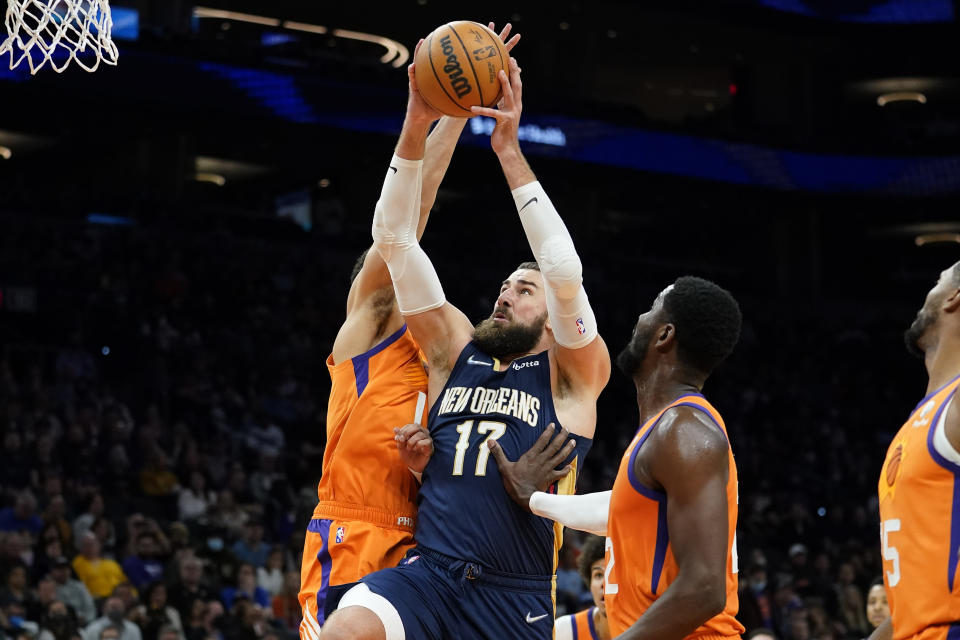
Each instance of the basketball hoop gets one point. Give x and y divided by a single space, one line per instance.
58 32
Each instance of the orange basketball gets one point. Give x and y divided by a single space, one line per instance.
457 65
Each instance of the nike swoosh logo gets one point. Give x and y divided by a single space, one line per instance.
530 201
395 170
470 360
532 620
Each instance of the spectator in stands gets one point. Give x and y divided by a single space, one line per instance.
853 610
144 567
110 632
58 623
22 516
246 587
156 478
84 522
114 615
270 577
54 516
15 586
189 587
99 574
878 610
73 592
195 500
168 632
251 548
46 593
286 604
228 515
156 614
756 598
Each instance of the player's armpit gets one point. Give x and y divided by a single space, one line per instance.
442 333
690 463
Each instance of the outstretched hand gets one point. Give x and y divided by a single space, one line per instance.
418 110
506 131
536 469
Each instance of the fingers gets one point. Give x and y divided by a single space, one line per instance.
490 113
416 49
511 43
557 442
506 89
564 453
402 434
557 476
497 453
412 67
543 441
515 82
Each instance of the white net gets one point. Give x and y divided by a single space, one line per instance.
59 32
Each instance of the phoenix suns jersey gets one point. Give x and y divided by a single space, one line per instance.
919 495
639 559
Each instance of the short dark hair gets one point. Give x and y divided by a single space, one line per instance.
531 264
593 549
358 265
707 320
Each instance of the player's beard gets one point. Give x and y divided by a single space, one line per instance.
918 328
499 340
631 358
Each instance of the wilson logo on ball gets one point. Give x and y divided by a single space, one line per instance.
452 68
456 67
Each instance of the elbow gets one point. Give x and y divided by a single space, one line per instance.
714 597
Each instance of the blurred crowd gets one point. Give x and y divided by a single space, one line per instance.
162 420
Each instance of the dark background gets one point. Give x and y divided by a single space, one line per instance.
741 142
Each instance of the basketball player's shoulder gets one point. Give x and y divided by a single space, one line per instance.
689 430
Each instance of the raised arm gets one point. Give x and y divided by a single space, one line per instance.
440 328
440 146
581 354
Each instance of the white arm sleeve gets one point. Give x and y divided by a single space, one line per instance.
563 628
395 221
587 512
574 324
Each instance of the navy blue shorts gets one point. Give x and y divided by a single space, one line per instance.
442 598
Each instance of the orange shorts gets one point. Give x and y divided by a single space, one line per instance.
340 552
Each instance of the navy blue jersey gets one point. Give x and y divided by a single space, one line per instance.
464 511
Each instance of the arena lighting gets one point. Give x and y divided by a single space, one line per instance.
212 178
394 48
901 96
6 152
933 238
207 12
397 55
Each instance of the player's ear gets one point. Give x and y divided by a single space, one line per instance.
952 302
666 337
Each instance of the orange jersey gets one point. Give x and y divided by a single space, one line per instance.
639 560
919 493
363 476
577 626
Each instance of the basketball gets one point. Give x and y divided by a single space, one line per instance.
457 66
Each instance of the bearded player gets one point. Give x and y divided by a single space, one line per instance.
919 486
671 562
366 514
483 567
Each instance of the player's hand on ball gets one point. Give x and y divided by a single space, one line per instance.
504 34
415 446
505 133
536 469
417 108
